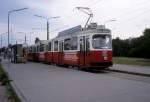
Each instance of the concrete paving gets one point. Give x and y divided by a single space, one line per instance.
38 82
132 68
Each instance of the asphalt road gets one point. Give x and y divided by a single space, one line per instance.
47 83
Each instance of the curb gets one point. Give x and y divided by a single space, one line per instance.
128 72
19 93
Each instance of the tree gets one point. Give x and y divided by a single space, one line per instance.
120 47
146 43
137 47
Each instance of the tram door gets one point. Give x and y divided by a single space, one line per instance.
84 50
60 52
87 51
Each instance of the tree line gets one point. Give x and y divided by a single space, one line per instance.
133 47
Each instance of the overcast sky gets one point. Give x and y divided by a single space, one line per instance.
132 17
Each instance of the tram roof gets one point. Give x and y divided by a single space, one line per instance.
78 30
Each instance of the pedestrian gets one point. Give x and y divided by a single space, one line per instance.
5 53
24 55
9 54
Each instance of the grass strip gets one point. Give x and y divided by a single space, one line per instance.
131 61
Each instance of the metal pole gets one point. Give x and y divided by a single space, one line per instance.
47 30
1 41
8 19
47 23
8 27
25 39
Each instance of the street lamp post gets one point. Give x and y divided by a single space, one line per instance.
47 19
47 29
9 19
1 41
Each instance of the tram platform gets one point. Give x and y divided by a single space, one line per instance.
131 69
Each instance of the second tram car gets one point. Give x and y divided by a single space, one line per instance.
31 53
42 45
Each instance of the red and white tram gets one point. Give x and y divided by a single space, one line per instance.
90 47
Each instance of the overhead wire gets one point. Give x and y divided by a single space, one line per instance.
130 12
123 17
134 11
138 16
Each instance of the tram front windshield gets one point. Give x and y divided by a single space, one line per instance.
101 41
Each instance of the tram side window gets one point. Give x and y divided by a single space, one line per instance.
46 47
37 49
67 44
34 49
56 46
61 46
87 44
41 48
49 46
81 45
74 43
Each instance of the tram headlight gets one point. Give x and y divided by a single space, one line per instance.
105 55
105 58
